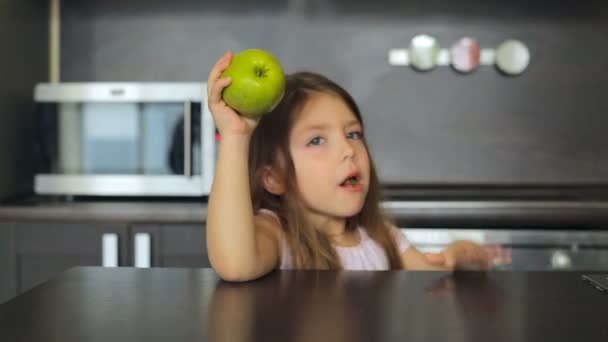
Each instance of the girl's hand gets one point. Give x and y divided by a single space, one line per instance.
227 120
467 255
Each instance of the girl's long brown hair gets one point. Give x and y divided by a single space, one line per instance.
269 147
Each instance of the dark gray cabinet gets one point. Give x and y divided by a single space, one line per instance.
8 283
171 245
33 252
44 250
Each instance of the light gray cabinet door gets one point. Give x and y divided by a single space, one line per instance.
43 250
8 283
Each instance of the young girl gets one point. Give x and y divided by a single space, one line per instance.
298 190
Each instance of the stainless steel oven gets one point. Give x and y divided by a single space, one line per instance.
546 235
124 139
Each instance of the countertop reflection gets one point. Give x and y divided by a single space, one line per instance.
125 304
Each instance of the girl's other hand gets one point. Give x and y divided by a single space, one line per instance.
467 255
227 120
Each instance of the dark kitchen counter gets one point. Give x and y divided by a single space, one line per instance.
126 304
106 211
511 214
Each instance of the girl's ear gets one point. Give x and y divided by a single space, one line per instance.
272 181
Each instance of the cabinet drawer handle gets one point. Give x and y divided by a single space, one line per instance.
109 250
142 246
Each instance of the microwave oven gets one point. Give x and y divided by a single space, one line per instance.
123 139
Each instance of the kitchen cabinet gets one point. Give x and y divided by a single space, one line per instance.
8 284
43 250
169 245
33 252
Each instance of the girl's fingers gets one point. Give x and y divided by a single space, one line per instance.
218 68
215 93
479 258
499 255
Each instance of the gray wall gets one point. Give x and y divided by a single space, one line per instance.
23 63
546 126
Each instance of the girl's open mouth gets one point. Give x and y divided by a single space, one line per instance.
352 183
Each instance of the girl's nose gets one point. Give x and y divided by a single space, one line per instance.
348 151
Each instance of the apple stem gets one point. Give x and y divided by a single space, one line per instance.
261 71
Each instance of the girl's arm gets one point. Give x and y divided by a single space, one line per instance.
240 246
414 260
460 255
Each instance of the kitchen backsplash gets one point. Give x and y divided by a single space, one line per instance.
546 126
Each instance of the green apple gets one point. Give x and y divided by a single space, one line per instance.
258 83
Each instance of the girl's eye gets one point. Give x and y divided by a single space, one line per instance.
316 141
357 135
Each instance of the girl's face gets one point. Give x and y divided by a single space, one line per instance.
330 158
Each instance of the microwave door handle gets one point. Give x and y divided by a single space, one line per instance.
188 138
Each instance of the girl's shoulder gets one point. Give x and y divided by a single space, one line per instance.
402 242
268 222
398 234
273 226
